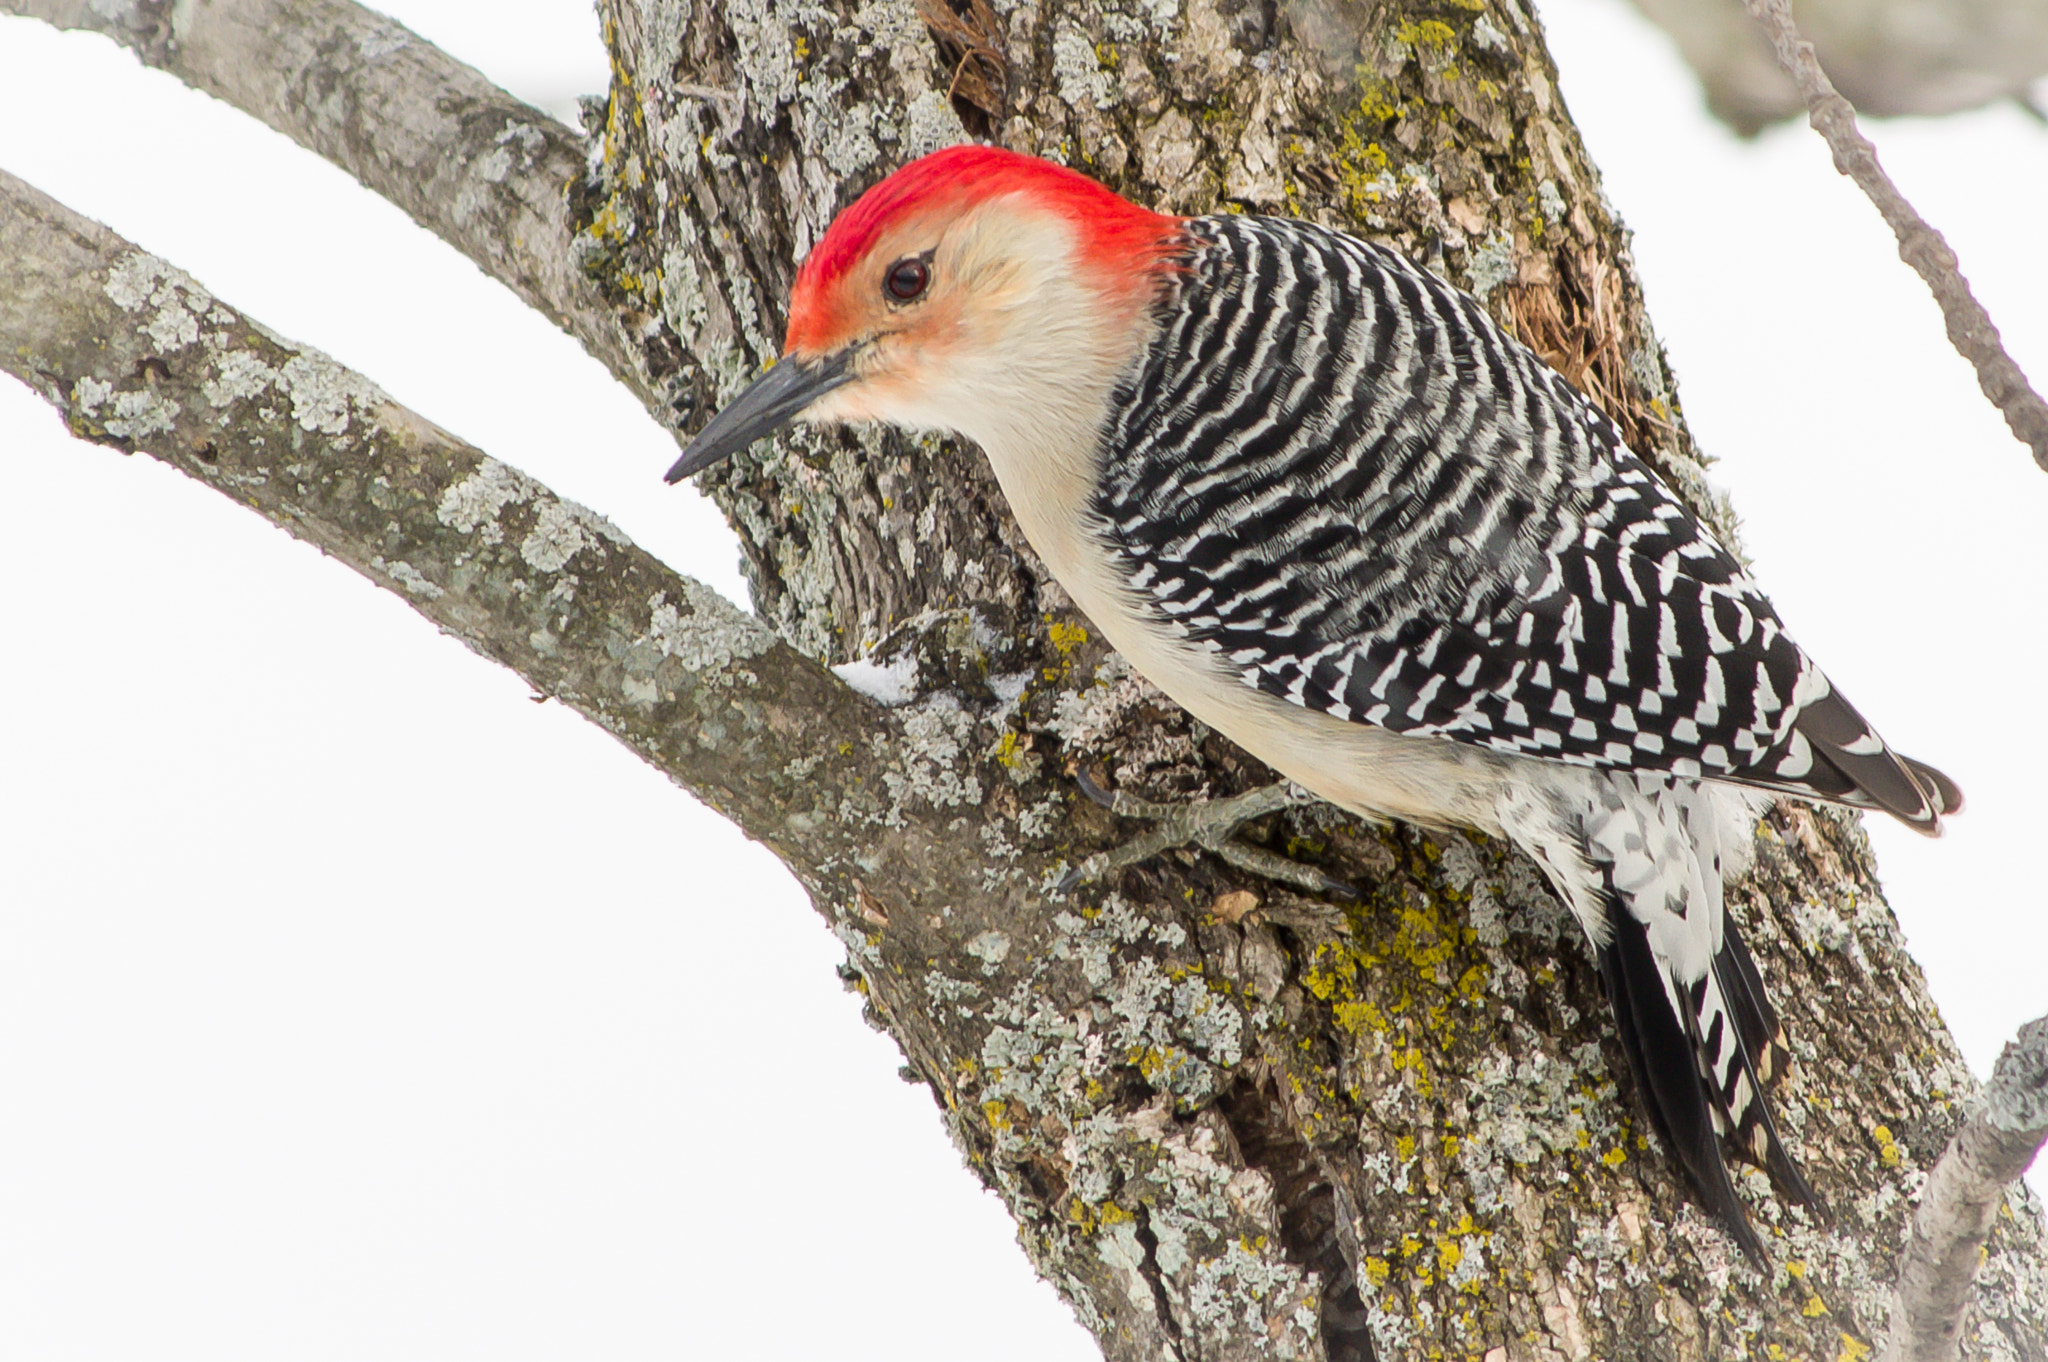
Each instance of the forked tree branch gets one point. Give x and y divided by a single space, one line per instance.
136 354
478 168
1963 1196
1969 327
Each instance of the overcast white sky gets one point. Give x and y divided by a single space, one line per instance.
353 1005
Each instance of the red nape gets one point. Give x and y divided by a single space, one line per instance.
1116 233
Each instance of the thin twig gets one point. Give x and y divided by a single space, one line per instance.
1961 1201
1969 326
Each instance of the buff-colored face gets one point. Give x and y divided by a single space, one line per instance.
961 294
907 333
925 309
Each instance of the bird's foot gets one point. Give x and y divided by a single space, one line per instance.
1210 825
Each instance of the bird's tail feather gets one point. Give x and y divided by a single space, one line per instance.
1764 1058
1851 764
1657 1035
1701 1056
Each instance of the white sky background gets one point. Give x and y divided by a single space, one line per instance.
351 1004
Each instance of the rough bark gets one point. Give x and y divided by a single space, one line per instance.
1231 1121
138 355
1216 1126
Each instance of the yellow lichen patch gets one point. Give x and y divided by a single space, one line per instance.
1360 1015
1376 1271
998 1115
1887 1148
1332 973
1155 1063
1615 1157
1853 1349
1428 33
1066 636
1410 1058
1423 938
1814 1308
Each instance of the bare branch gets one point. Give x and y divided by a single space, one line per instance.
1969 326
1963 1195
1890 58
476 167
136 354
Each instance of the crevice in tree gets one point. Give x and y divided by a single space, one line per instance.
1311 1223
1161 1300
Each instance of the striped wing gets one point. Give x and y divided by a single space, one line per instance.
1427 529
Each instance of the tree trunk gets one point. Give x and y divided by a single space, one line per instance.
1232 1121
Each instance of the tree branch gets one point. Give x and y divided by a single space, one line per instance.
136 354
1969 326
470 163
1963 1195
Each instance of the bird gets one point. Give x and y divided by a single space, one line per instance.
1327 504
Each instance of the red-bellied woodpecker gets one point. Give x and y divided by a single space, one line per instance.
1322 500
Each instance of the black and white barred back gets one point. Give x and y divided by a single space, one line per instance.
1492 564
1338 475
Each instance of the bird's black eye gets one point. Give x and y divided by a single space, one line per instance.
907 278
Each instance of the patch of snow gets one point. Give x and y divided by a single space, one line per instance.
889 683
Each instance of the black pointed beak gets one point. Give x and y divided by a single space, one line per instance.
776 398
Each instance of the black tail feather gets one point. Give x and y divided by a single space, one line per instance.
1661 1053
1947 794
1764 1058
1755 1019
1847 751
1674 1037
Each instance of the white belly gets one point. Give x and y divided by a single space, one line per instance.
1360 767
